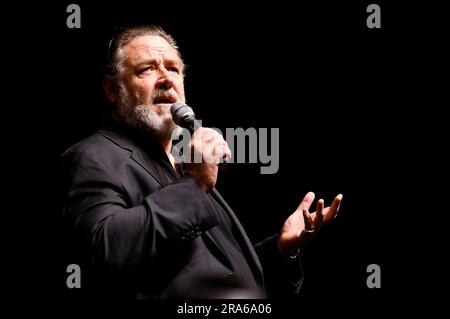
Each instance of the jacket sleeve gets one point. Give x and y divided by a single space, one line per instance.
283 276
116 235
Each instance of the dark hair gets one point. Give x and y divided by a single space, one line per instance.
115 58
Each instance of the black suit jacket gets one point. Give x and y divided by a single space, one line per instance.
137 228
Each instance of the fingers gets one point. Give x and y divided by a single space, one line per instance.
307 217
331 212
227 153
308 232
303 225
210 146
307 201
318 220
221 152
322 215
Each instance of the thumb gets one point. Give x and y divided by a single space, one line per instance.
306 202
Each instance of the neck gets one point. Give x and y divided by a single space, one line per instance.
167 146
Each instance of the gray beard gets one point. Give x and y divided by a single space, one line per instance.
142 117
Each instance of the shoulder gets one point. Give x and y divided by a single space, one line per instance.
97 146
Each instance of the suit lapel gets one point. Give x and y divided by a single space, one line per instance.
246 245
152 167
223 256
138 155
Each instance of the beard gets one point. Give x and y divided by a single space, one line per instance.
143 117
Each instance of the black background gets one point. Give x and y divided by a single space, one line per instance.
355 108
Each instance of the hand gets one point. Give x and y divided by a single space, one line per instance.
302 224
207 148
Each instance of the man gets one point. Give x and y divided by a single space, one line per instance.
142 227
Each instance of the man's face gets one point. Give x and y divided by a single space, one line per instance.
151 82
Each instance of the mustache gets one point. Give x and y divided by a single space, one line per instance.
165 94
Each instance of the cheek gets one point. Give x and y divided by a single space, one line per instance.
143 91
180 88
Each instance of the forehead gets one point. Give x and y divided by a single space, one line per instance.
149 47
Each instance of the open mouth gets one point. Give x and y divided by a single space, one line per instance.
164 100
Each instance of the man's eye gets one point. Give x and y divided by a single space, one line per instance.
148 69
174 69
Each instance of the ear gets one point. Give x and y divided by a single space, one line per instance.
110 89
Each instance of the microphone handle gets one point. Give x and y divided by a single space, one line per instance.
193 125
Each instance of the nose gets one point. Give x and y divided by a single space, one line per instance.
165 80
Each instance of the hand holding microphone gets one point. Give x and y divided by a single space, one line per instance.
206 144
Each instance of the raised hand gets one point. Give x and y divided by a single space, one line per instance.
302 224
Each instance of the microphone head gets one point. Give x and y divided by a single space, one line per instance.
182 114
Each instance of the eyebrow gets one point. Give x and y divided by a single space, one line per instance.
166 61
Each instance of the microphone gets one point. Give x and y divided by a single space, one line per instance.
184 116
